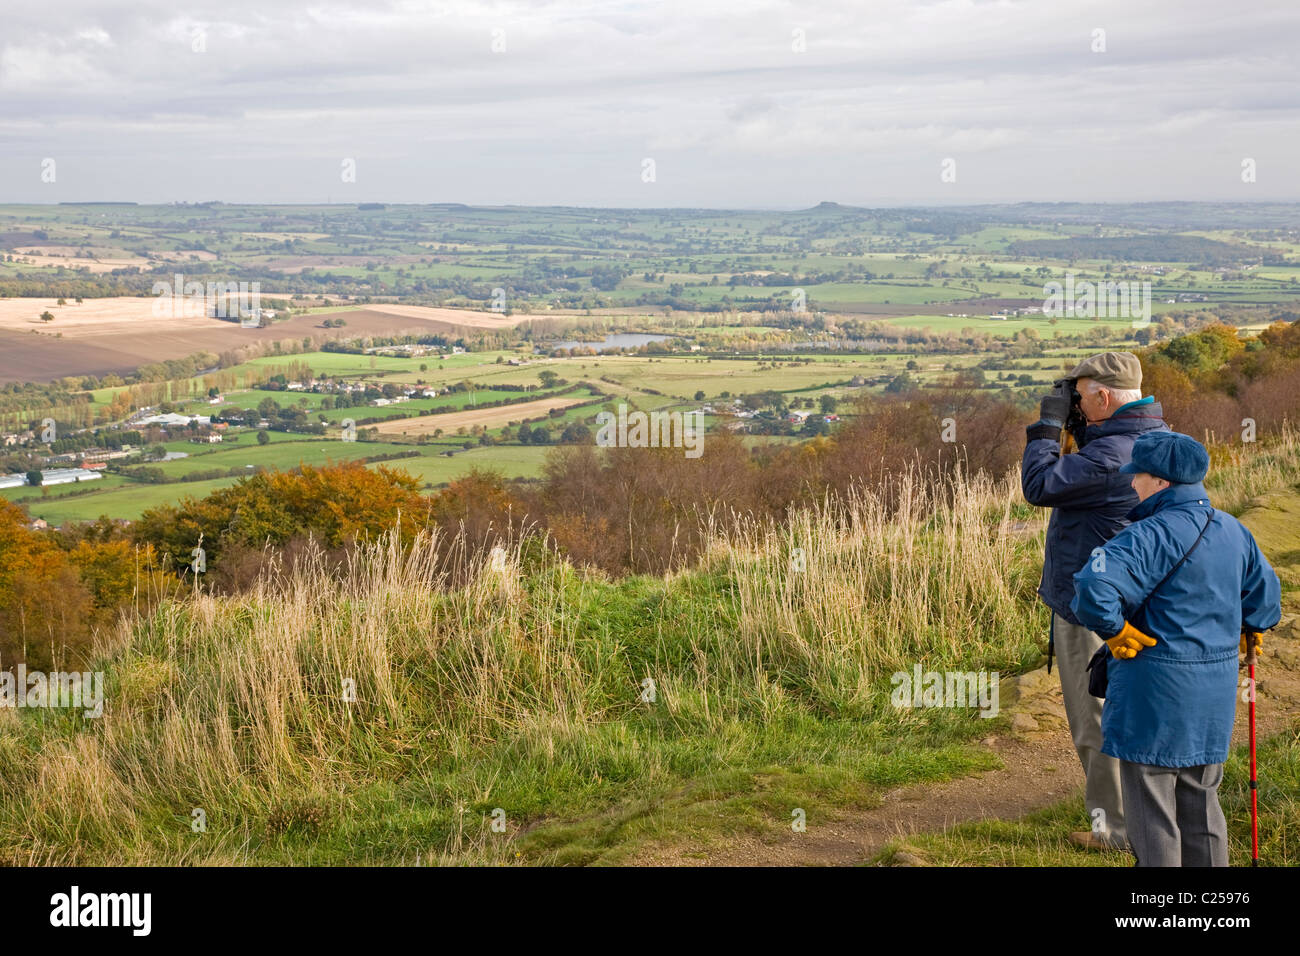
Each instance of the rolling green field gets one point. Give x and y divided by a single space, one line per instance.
841 256
718 282
678 376
645 382
1116 328
130 499
128 502
457 401
282 452
343 364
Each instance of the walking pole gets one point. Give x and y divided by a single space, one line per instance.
1254 780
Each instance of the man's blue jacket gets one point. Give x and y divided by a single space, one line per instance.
1089 497
1172 705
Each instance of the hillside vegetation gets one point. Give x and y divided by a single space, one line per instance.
391 708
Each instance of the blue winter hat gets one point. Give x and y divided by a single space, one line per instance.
1175 457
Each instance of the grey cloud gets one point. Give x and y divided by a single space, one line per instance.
713 90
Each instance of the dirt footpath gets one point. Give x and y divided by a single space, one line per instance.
1040 769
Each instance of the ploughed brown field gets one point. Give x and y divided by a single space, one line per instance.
490 417
121 334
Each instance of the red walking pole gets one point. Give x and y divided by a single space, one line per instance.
1254 781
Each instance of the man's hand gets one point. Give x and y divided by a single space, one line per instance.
1053 412
1054 408
1252 637
1128 642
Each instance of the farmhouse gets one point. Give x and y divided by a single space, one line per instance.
101 455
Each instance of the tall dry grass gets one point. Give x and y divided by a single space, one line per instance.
1244 470
847 593
380 705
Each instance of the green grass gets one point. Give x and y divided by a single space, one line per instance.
980 322
282 452
510 461
366 366
454 400
127 501
119 497
523 690
29 495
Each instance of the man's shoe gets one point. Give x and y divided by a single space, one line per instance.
1090 841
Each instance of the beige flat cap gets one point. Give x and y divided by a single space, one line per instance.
1116 369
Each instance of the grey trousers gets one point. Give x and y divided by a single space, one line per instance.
1075 646
1174 814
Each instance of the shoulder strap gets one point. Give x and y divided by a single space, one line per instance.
1185 556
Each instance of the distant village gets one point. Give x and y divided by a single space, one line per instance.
89 464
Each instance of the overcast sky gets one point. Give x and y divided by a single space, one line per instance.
745 103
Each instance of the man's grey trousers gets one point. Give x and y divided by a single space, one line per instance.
1174 814
1074 647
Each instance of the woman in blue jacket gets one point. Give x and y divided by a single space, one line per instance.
1177 629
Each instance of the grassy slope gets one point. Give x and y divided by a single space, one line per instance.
524 690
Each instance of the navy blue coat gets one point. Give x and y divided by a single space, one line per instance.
1089 497
1172 705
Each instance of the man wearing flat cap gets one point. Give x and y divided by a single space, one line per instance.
1177 594
1091 500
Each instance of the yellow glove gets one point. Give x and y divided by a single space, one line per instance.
1256 637
1128 642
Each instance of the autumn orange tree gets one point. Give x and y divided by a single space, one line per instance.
57 589
334 505
43 603
1211 380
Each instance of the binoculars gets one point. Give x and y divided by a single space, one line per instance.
1075 422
